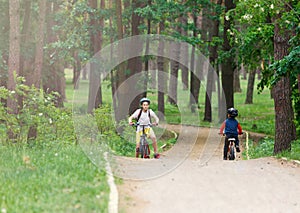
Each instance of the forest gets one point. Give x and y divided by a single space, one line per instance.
215 44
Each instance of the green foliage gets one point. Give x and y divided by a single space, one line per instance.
53 125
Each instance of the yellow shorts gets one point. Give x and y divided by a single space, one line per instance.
149 132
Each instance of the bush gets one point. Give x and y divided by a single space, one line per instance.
37 112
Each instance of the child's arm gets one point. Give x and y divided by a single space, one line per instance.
134 115
222 128
152 114
240 129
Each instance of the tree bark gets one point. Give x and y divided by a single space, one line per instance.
173 84
13 60
160 75
250 87
195 77
54 71
135 64
39 52
236 81
228 63
184 49
285 130
95 92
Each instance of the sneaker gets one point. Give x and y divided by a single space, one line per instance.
137 152
224 158
157 156
238 149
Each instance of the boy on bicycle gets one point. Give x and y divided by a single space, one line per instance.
232 130
143 117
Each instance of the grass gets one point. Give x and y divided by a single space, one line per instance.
57 179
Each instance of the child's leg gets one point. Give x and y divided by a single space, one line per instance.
237 144
226 144
154 141
137 141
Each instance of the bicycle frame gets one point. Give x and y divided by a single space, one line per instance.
144 149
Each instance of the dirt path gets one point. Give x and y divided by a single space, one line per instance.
203 182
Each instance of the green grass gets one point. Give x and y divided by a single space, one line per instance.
265 148
57 179
259 116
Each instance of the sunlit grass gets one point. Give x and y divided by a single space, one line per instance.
57 179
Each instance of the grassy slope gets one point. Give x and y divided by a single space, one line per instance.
57 179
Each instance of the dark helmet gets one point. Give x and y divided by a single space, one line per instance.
232 112
144 100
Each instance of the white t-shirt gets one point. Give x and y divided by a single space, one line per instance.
144 118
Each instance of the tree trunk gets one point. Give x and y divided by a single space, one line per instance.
195 78
228 64
160 74
236 81
95 92
38 63
185 52
54 71
285 130
14 59
25 36
135 64
39 52
250 87
173 83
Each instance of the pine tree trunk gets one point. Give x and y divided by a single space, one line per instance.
228 64
160 74
285 130
95 92
250 87
13 60
185 53
236 81
173 83
195 76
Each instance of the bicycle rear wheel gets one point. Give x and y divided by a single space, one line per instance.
231 153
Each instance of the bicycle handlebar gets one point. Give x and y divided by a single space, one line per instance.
138 124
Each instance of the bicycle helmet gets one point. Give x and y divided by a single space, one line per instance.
144 100
232 112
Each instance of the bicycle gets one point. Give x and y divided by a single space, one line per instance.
144 149
231 150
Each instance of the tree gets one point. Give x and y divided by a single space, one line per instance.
284 124
14 52
228 63
96 38
160 73
13 60
250 87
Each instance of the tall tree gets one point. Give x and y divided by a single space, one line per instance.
14 59
195 74
39 52
228 64
185 53
96 27
135 64
160 73
284 125
250 87
173 83
53 70
14 52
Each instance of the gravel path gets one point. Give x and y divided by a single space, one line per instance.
200 181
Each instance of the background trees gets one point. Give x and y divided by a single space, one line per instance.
43 38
